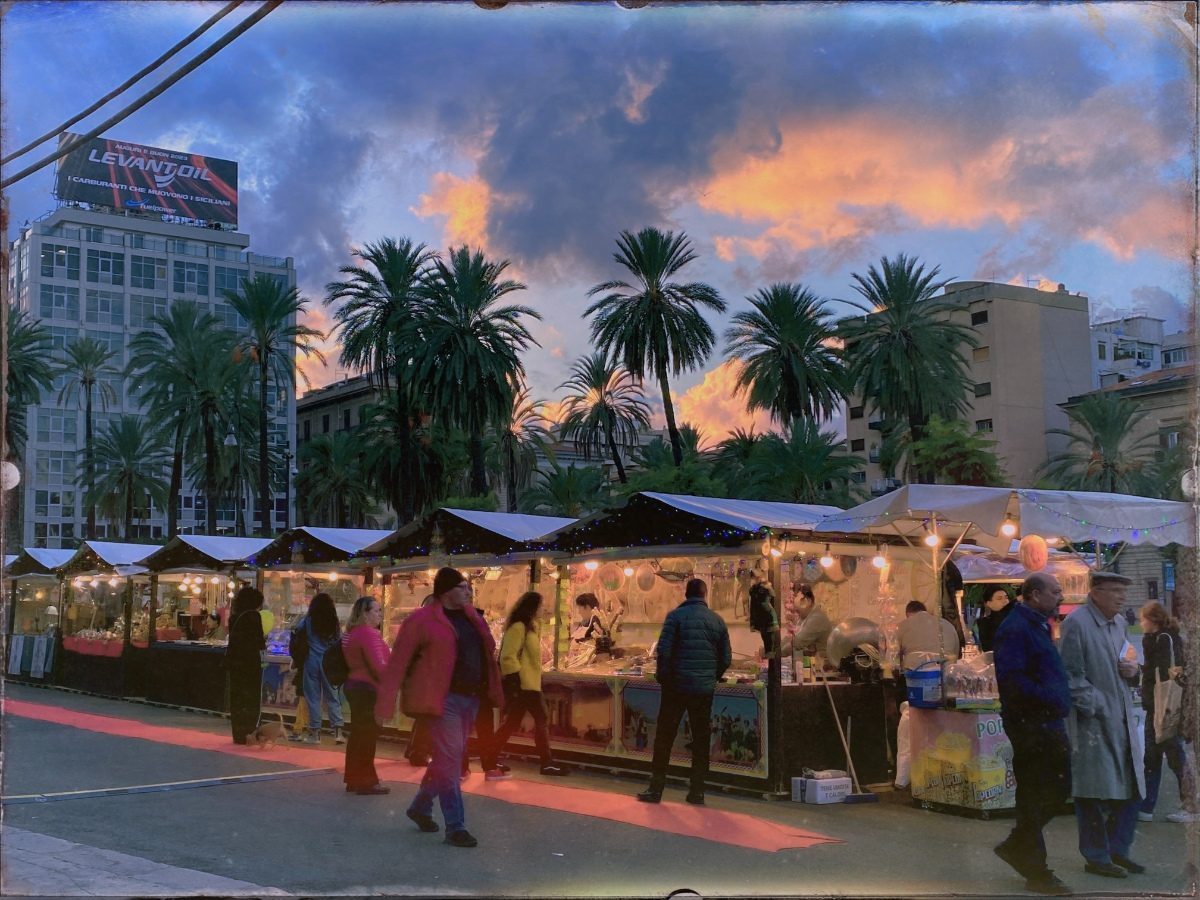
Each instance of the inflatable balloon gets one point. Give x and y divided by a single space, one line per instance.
1033 552
268 620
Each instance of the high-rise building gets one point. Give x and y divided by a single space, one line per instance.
103 274
1032 355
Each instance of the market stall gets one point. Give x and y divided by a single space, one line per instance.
770 719
35 602
500 553
107 590
192 582
957 742
291 570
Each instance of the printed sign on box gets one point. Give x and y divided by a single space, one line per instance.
961 758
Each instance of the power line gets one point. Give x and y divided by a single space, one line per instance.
220 14
219 45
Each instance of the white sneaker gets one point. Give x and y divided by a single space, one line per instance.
1145 817
1183 817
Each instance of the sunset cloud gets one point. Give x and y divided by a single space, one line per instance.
712 407
463 203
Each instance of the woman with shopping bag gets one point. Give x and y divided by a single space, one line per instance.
1162 698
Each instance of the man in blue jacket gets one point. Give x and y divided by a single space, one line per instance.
693 654
1034 703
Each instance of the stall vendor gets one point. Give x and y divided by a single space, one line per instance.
919 637
813 626
591 625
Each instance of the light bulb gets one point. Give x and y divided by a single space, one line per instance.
1009 528
114 581
1053 542
878 560
332 577
826 561
195 589
776 552
591 565
214 580
187 579
931 540
628 570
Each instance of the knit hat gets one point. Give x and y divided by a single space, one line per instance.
446 579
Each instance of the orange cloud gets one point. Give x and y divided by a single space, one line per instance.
464 203
712 407
836 181
319 374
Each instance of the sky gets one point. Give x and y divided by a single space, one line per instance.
1034 145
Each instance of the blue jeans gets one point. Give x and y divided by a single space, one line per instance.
316 688
1106 827
448 733
1176 754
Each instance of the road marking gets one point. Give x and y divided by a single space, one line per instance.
164 786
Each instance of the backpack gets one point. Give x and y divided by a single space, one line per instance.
298 646
334 665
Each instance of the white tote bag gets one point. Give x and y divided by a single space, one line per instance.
1168 701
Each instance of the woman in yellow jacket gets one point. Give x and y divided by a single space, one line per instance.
521 669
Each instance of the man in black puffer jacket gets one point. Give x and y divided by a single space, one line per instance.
693 654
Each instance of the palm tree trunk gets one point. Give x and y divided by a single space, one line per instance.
176 482
128 509
612 448
478 465
405 507
210 476
89 467
264 460
916 431
669 412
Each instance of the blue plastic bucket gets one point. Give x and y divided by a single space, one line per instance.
924 687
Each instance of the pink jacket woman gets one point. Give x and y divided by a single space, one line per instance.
422 664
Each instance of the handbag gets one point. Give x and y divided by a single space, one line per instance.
334 664
1168 701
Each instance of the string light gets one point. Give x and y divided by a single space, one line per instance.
879 560
827 559
591 565
628 570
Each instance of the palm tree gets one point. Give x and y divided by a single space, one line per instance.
786 344
469 347
86 368
905 357
732 457
332 479
380 297
130 461
1104 450
30 371
517 441
162 373
604 407
955 455
274 339
655 325
571 492
806 466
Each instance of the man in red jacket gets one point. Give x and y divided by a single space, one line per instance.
443 662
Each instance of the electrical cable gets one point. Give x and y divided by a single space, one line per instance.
220 14
215 48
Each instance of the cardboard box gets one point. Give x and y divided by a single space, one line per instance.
798 789
826 790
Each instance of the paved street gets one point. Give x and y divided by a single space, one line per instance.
169 814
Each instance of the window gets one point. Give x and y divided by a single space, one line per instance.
1176 355
1102 350
54 466
112 341
983 425
362 414
856 412
141 242
59 302
93 235
175 246
345 420
1168 438
1124 351
981 354
279 280
325 424
60 261
983 389
191 278
57 426
142 308
104 308
54 503
858 445
307 429
1152 589
229 316
60 339
859 477
105 267
228 279
148 272
979 318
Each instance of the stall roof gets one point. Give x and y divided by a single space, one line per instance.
650 518
979 564
467 531
38 561
9 559
202 551
312 545
107 556
1073 515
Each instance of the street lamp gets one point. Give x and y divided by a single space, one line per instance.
232 441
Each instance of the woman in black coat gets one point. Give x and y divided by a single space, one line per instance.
1162 649
998 604
243 658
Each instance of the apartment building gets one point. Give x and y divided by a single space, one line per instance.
1032 355
102 274
1132 346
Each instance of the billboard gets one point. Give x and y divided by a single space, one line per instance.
150 179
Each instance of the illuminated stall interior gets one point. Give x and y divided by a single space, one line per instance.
36 590
99 578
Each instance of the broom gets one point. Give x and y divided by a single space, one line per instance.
859 795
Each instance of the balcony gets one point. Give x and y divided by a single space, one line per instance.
881 486
873 455
875 425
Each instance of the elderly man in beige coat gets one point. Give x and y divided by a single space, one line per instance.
1106 781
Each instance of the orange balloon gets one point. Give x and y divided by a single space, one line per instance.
1033 552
